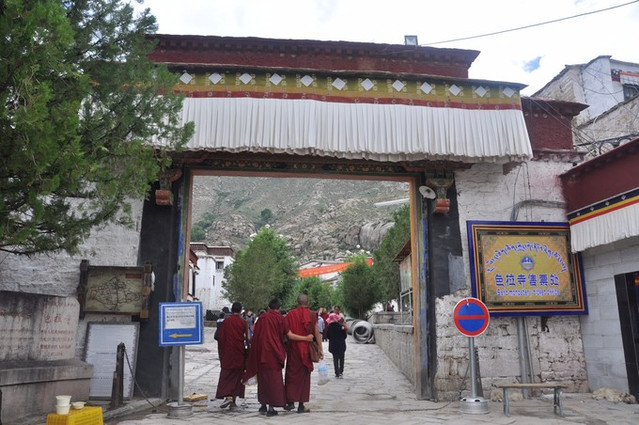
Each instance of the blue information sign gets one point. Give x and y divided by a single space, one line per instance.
471 317
181 323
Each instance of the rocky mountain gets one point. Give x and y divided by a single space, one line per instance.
322 219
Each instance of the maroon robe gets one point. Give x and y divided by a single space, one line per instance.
298 363
231 339
266 358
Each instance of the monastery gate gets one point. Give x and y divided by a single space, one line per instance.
290 108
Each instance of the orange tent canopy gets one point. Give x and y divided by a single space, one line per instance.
331 268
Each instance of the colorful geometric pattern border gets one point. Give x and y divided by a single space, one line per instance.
604 207
433 92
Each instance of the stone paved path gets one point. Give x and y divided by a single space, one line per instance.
373 391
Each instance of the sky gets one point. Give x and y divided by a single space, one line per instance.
530 56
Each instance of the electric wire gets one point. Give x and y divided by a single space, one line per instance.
126 355
598 76
530 26
553 112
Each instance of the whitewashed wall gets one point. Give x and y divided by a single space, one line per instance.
590 84
490 192
59 274
208 282
601 329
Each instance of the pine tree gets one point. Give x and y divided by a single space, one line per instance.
81 108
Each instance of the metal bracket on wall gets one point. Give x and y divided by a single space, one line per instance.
440 183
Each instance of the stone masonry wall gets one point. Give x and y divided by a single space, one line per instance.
600 329
397 342
59 274
490 192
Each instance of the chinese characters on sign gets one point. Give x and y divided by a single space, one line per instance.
525 268
181 323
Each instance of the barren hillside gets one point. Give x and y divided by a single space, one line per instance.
321 219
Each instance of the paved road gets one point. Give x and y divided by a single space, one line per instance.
373 391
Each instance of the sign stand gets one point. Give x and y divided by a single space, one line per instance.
180 409
471 319
180 324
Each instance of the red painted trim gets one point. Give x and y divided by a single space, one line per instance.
603 211
189 50
603 177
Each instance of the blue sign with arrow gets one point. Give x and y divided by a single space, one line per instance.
181 323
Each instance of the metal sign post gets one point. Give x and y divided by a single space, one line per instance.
180 325
471 318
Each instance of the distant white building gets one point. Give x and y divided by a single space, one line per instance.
205 281
609 87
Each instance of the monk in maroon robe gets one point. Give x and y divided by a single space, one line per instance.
301 321
232 342
267 357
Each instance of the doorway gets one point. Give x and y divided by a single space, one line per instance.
627 287
324 221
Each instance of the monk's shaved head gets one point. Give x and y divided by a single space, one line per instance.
302 299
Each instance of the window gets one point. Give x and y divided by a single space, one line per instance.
630 91
630 83
219 265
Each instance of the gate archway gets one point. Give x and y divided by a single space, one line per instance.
330 110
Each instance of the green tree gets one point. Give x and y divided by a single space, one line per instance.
263 269
386 270
81 105
320 294
198 233
266 217
359 290
198 230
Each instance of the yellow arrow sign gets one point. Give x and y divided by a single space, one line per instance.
180 335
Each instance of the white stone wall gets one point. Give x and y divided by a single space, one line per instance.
590 84
490 192
601 329
59 274
618 122
208 282
398 343
568 87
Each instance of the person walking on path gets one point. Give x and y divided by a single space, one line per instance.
336 334
232 345
321 325
267 357
250 321
298 364
324 314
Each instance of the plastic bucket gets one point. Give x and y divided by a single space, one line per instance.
62 410
63 400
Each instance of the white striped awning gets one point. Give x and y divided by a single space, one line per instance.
606 222
372 131
629 78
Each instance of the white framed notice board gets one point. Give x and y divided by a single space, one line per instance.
101 351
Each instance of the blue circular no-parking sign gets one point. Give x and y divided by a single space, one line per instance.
471 317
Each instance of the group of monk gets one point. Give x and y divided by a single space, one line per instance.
278 341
